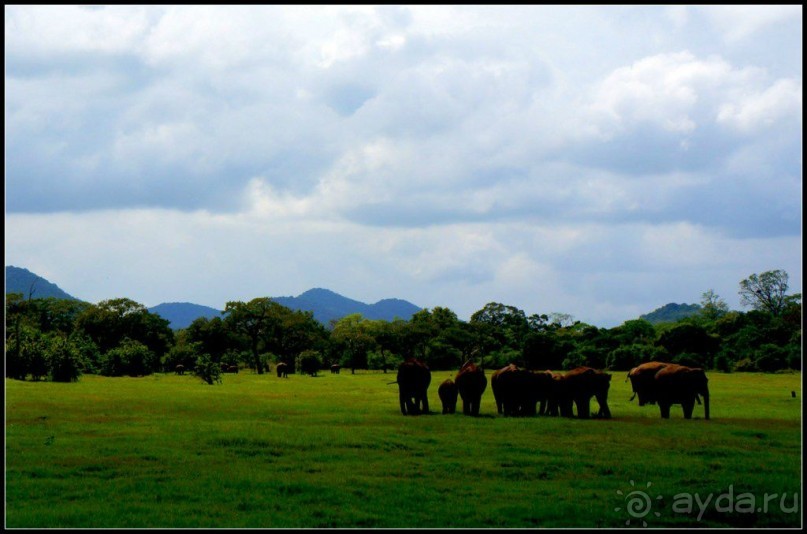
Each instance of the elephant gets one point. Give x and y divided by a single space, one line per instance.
642 379
335 369
447 391
180 369
471 383
576 387
518 391
494 385
413 382
282 370
678 384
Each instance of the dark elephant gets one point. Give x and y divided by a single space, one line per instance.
180 369
494 385
335 369
677 384
413 382
576 387
282 370
447 391
471 383
643 381
518 391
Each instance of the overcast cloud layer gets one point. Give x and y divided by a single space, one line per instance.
596 161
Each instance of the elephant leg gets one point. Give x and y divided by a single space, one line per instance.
665 409
466 406
688 405
425 403
583 407
402 399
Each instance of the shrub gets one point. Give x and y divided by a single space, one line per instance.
129 358
745 365
310 362
64 359
206 369
689 359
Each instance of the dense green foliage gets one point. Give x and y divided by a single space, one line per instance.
121 337
255 451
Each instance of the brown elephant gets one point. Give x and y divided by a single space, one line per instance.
179 369
643 382
282 369
494 385
518 391
447 391
413 382
576 387
335 368
678 384
471 383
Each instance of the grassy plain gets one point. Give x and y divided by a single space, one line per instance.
256 451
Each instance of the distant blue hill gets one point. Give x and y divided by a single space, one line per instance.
19 280
327 306
671 313
323 303
182 314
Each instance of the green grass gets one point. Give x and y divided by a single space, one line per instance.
334 451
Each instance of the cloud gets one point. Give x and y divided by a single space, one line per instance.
460 153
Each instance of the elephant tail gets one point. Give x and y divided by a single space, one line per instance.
633 397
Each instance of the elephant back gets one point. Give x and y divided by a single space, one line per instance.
471 379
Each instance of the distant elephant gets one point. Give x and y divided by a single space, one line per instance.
471 383
576 387
494 385
518 391
556 393
413 382
282 370
180 369
335 368
447 391
643 382
677 384
233 369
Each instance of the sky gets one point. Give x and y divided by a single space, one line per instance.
596 161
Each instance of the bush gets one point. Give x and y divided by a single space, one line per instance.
745 366
64 359
310 362
206 369
129 358
769 358
722 363
690 360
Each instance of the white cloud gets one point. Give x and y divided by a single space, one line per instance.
782 100
461 154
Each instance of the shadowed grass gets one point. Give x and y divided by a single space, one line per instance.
334 451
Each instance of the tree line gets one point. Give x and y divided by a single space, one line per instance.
61 339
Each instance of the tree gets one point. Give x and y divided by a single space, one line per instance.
111 321
765 292
64 359
258 320
351 334
712 306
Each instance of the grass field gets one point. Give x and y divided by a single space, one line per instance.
334 451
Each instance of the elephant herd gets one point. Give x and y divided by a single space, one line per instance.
520 392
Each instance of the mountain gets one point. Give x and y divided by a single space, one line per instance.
19 280
327 305
182 314
670 313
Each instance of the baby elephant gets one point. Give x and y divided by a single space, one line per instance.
447 392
